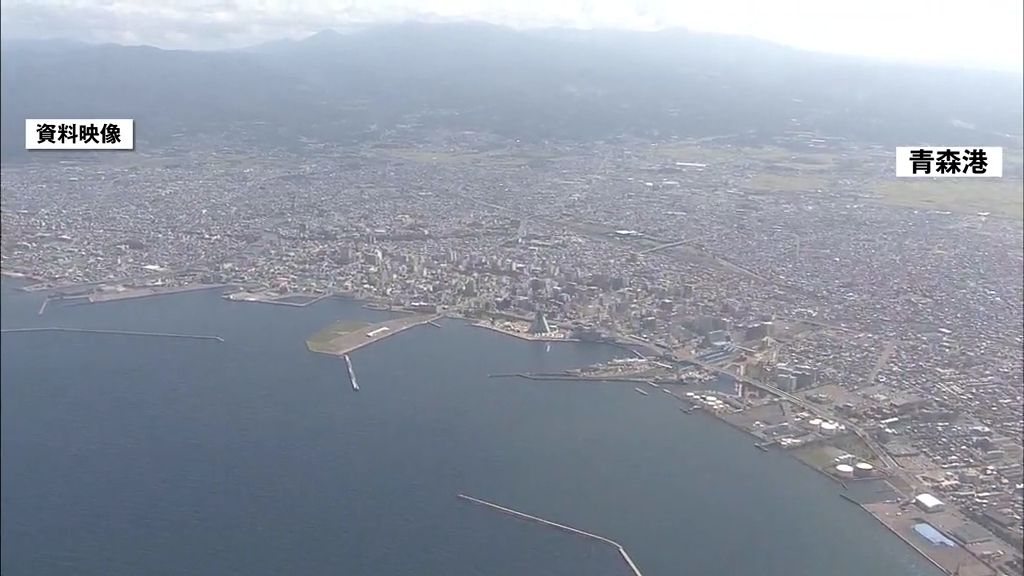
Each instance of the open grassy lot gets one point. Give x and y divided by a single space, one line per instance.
999 196
332 331
796 182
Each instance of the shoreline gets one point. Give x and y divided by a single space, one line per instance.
365 340
899 535
520 335
750 434
148 292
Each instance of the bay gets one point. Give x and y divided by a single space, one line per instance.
135 455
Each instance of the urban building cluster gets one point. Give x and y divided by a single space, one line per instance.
783 267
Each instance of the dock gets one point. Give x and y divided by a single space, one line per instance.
117 332
351 373
523 516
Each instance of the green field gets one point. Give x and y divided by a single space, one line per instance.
487 158
334 330
795 182
1000 196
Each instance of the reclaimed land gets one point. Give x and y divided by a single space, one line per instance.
343 337
148 291
524 335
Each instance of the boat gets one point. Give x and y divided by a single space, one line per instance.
644 392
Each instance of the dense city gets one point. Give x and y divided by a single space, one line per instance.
809 299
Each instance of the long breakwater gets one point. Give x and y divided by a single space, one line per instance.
118 332
523 516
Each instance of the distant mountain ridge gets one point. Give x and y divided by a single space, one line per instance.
565 84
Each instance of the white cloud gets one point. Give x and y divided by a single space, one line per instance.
983 33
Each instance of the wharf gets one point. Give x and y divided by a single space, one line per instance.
148 292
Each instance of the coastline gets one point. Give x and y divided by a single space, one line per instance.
398 325
719 416
149 292
521 335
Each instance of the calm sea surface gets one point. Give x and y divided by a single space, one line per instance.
128 455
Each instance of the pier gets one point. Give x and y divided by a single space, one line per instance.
523 516
351 373
118 332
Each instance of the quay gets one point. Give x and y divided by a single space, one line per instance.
265 298
565 377
137 292
118 332
523 516
351 373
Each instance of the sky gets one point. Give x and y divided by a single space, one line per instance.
987 34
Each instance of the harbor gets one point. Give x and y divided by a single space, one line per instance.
523 516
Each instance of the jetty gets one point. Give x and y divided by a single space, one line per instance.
351 373
523 516
117 332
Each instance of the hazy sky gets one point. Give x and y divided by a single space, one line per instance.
980 33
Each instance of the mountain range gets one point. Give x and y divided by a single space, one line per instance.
534 84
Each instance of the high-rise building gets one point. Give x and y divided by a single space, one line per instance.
540 324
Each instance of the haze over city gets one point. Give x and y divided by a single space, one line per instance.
562 288
986 34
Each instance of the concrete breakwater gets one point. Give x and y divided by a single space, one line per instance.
567 377
118 332
351 373
523 516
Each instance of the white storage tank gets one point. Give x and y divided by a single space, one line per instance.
863 469
844 470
